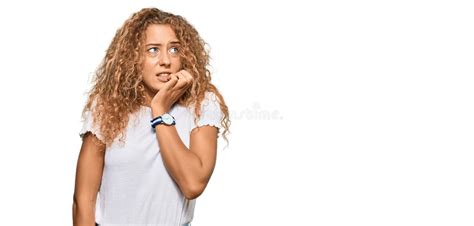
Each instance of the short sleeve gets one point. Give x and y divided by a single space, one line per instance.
88 126
211 113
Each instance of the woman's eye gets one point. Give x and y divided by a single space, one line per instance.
153 50
174 50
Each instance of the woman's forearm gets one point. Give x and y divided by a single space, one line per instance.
184 166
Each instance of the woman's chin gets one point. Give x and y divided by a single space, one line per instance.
153 89
158 87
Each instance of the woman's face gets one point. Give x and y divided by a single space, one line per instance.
161 57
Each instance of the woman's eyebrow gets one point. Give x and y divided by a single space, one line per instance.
159 44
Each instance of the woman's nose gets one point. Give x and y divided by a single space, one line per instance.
164 59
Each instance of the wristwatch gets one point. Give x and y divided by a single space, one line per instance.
166 119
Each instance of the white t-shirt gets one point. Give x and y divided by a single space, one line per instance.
136 188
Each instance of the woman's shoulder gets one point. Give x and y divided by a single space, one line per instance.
210 96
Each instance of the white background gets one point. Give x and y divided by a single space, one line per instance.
343 112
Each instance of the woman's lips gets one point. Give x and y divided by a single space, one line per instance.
163 77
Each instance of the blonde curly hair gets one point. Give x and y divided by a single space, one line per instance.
118 89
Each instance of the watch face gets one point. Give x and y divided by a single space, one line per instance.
167 119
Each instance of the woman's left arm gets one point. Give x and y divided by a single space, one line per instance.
190 168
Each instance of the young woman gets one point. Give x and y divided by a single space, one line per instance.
151 125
